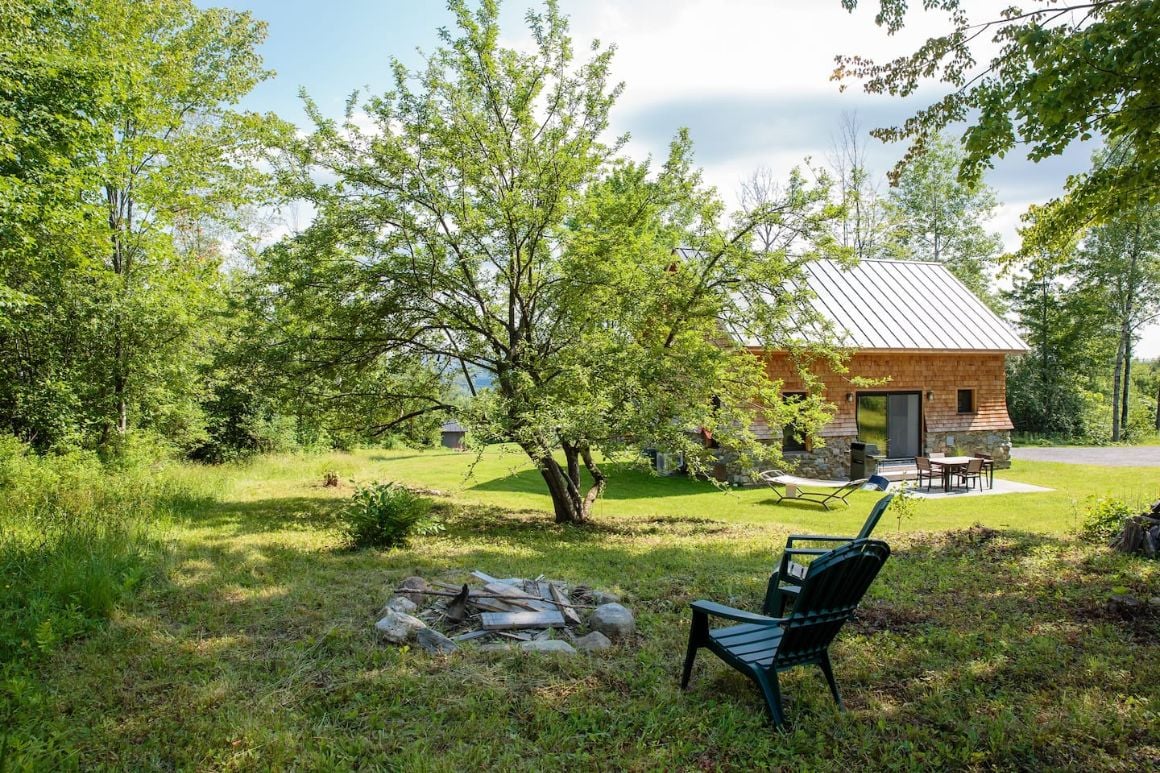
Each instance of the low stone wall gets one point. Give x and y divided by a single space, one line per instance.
994 442
832 461
829 462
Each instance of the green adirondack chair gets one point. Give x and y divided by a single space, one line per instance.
760 646
785 583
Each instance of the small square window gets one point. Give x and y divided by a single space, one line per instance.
966 401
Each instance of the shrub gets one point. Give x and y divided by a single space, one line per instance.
385 515
1104 518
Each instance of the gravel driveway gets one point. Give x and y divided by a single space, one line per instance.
1114 456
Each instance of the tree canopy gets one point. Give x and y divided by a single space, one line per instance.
120 153
1062 72
485 219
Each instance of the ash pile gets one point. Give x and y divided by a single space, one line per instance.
533 615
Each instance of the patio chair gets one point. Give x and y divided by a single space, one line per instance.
785 583
972 472
988 467
922 464
760 646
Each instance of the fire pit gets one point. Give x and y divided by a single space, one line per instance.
531 614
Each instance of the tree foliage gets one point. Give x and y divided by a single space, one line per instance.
934 216
484 219
1062 72
1118 265
120 156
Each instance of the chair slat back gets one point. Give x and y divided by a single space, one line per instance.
975 465
875 515
833 587
922 463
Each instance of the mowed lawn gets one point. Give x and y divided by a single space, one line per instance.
253 646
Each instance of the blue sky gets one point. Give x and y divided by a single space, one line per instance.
750 78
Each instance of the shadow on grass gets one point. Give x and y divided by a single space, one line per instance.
263 515
971 643
625 481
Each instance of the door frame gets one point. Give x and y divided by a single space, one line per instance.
887 393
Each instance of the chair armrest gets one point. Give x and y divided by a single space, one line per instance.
805 551
740 615
814 538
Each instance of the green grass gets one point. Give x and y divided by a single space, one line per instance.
255 648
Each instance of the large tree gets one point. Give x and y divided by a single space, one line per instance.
121 146
937 217
485 219
1062 72
1119 265
1048 388
865 224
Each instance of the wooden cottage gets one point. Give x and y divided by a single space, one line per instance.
937 350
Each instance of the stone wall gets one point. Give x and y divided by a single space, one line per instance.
829 462
996 443
832 461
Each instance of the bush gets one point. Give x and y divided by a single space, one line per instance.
1105 518
385 515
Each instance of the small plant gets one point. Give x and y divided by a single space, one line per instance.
1104 518
385 515
903 503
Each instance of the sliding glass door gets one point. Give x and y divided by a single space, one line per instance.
892 421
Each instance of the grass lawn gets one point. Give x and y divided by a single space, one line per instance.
253 647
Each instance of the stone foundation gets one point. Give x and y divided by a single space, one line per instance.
829 462
997 443
832 461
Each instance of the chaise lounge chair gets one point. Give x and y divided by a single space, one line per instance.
794 487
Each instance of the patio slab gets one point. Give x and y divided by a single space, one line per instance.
1001 487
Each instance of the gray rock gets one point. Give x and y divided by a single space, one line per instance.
399 627
417 584
399 604
547 645
613 620
601 597
593 641
1154 601
434 642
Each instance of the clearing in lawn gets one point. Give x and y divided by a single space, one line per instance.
254 647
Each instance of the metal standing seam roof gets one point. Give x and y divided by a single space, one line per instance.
905 305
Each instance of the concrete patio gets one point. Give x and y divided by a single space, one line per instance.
1001 487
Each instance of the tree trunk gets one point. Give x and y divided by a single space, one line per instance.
1127 388
569 501
566 501
1158 408
1116 390
599 479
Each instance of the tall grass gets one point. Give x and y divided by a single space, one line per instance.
76 536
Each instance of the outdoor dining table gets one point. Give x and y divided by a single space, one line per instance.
949 466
